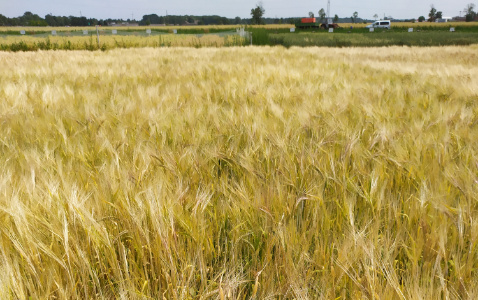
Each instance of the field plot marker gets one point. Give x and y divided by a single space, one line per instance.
175 31
114 31
452 29
292 30
241 32
53 32
331 30
410 29
148 31
372 29
85 32
22 32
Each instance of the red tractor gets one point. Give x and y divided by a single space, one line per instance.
312 23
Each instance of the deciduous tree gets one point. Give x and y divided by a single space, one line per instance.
322 15
257 14
470 13
432 14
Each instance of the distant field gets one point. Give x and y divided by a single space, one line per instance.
33 43
227 27
143 28
348 35
379 38
416 24
239 173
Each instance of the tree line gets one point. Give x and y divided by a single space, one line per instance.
434 14
210 20
30 19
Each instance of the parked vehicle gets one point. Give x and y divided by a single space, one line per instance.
380 24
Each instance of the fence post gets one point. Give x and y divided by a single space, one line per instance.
251 38
98 36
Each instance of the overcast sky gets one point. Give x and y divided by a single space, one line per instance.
102 9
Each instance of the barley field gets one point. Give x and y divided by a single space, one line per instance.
239 173
34 29
33 43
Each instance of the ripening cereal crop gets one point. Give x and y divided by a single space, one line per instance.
239 173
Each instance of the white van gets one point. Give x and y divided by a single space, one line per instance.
380 24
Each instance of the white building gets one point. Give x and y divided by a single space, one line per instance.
443 20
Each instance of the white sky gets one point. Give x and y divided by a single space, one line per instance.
102 9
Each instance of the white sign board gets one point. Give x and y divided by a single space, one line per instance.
452 29
114 31
372 29
331 30
53 32
410 29
292 30
22 31
85 32
148 31
175 31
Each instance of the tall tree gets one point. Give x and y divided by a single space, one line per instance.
375 16
311 14
354 17
30 19
336 18
322 15
257 14
432 14
470 13
439 15
50 20
3 20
